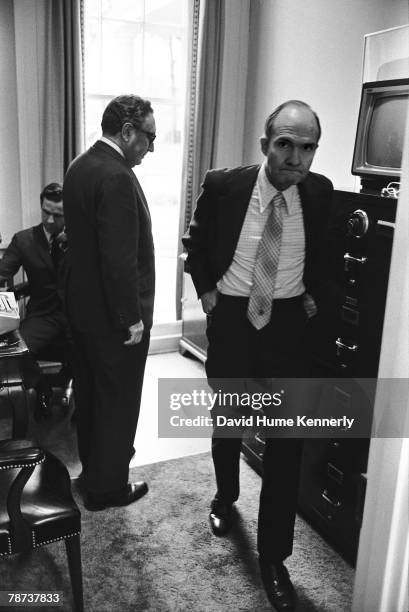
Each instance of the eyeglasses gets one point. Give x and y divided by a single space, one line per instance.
150 135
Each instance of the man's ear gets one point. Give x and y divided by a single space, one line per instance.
126 131
264 145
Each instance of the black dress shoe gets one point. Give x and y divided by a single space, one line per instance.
129 494
42 409
220 517
278 586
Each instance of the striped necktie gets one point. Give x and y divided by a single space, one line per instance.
265 267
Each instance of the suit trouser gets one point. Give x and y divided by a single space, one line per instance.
44 334
238 351
108 378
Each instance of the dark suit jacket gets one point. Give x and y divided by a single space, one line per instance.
216 225
29 248
111 275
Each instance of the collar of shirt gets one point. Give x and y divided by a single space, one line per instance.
113 145
267 191
48 235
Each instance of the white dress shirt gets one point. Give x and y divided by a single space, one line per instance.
113 145
237 280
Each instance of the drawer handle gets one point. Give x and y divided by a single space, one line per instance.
346 347
335 504
334 473
259 439
350 258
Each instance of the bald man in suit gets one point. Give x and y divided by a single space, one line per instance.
255 253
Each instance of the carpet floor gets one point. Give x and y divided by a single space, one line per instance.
158 555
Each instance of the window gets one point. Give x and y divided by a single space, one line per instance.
140 46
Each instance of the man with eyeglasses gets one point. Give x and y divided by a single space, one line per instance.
110 294
40 250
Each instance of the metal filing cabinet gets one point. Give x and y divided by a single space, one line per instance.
333 480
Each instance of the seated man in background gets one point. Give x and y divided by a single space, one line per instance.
40 251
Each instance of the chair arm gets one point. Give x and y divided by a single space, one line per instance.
19 454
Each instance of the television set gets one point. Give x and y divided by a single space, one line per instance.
381 129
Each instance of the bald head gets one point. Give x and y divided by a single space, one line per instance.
269 124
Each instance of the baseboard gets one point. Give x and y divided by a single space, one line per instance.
165 338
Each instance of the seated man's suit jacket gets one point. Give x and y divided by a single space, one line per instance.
29 248
217 221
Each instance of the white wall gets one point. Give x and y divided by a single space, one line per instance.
10 199
312 51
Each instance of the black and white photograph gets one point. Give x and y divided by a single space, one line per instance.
204 298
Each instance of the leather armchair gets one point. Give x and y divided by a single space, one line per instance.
37 507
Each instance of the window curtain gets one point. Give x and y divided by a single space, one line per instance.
48 56
202 107
63 101
203 98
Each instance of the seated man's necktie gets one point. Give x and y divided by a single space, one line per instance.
265 268
55 251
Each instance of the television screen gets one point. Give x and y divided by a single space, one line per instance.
386 130
381 129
